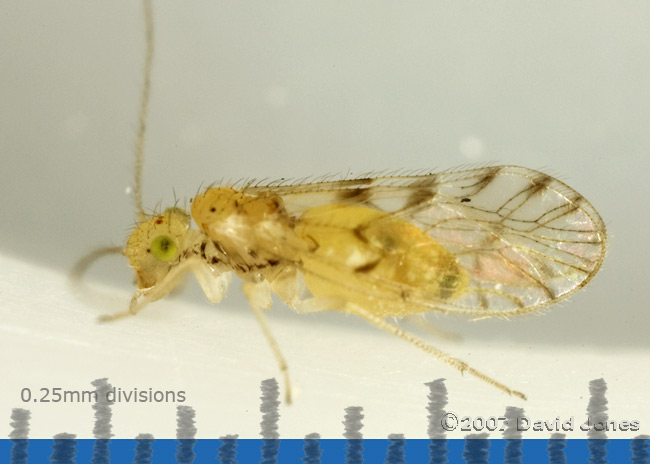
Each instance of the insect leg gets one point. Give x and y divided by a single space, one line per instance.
288 286
258 294
436 353
259 314
214 282
420 321
285 285
134 307
144 296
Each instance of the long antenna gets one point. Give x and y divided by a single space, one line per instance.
144 106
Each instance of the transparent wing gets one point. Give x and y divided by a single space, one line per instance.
524 238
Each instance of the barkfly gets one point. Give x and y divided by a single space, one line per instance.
495 241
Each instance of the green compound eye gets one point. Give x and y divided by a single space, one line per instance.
164 248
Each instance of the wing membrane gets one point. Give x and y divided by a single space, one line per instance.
525 239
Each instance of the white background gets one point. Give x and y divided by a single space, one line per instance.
296 89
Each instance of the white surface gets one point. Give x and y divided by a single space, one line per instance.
295 90
217 356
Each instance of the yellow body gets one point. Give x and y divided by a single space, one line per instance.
360 254
495 241
449 244
346 254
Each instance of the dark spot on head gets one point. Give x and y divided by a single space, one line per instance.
213 209
465 200
273 262
159 220
214 260
148 250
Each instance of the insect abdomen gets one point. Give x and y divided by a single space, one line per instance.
378 261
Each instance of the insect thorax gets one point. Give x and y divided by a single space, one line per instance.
252 232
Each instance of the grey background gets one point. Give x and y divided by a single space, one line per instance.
296 89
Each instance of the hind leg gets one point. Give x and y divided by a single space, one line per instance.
433 351
259 299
